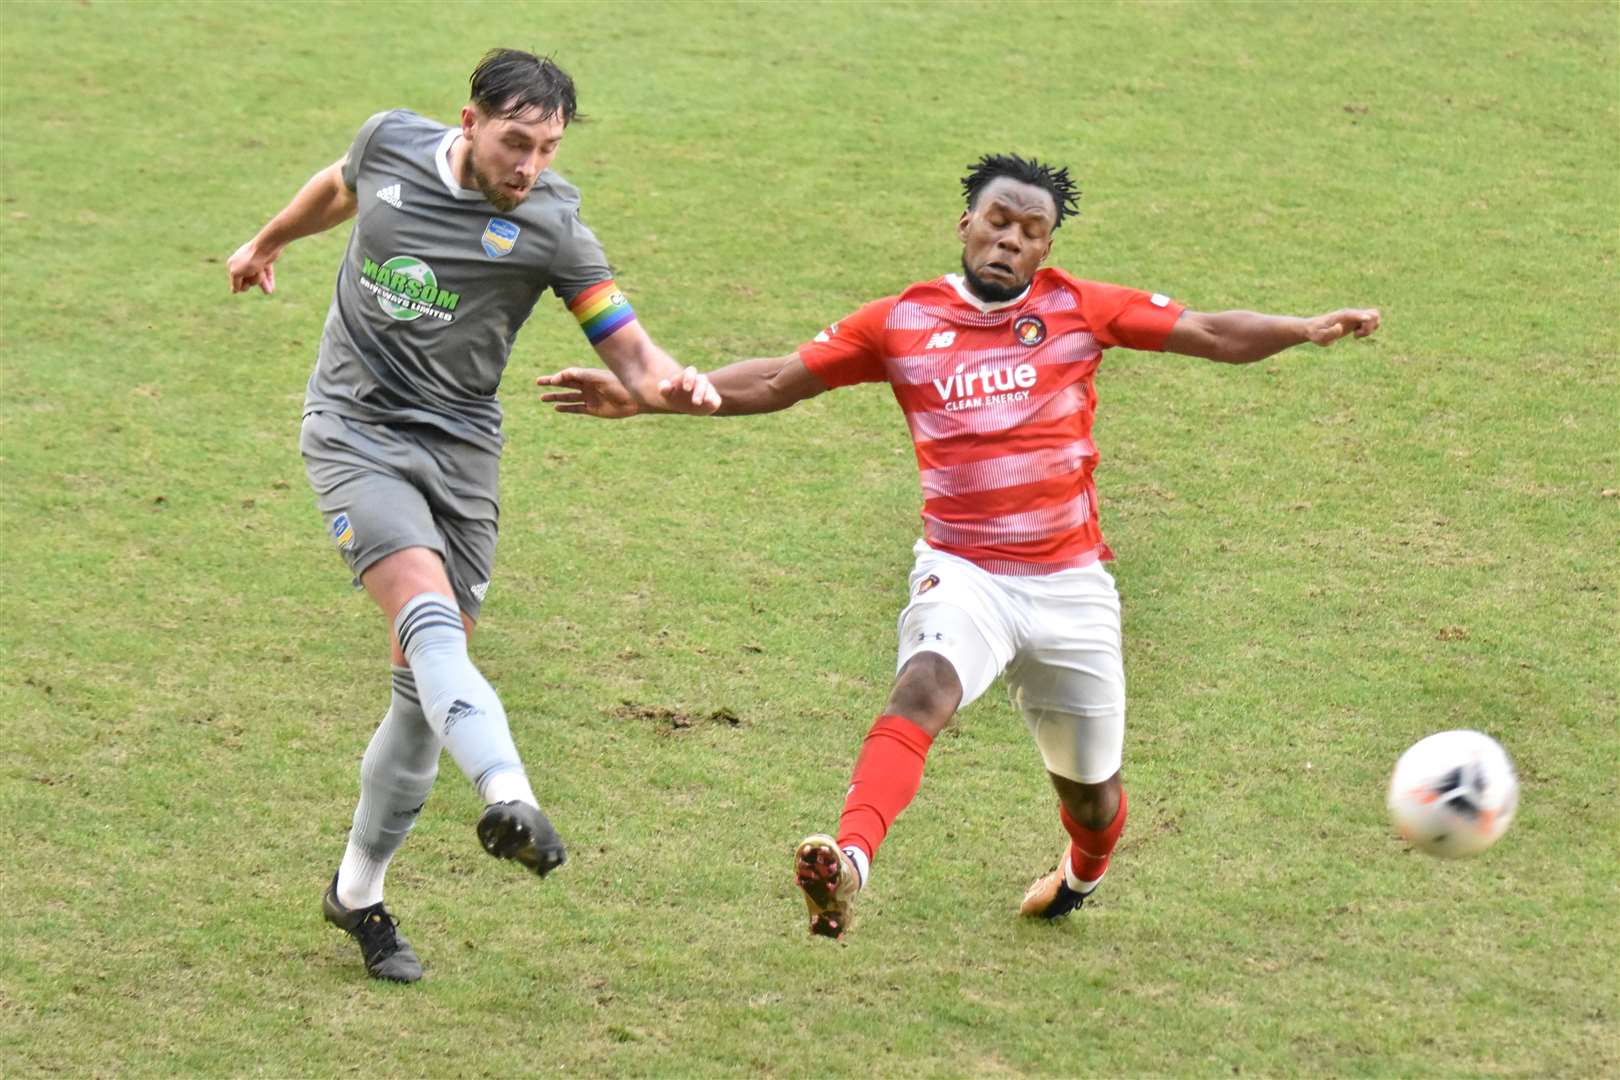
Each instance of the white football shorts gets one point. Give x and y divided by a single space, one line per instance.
1056 637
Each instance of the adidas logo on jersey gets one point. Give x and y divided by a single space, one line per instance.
390 195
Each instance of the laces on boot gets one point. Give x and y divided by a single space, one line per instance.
377 932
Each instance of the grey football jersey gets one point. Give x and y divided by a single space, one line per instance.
436 283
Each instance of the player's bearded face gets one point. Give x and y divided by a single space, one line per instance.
507 154
501 196
1005 238
988 290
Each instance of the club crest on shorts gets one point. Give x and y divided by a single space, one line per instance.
342 531
1029 330
925 584
499 236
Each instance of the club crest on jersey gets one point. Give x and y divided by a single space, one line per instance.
499 236
342 531
926 583
1029 330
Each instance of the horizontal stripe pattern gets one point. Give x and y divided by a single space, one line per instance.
910 315
1020 568
1055 300
986 419
405 685
427 614
920 369
1012 470
589 301
1023 528
943 453
601 310
1001 424
961 315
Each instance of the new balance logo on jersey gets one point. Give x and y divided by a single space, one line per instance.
942 340
985 386
390 195
826 335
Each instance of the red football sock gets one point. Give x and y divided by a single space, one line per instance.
888 773
1089 849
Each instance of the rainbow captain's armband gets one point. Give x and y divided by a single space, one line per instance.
601 310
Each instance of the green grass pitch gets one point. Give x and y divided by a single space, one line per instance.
1322 557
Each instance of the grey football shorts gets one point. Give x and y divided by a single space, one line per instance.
383 489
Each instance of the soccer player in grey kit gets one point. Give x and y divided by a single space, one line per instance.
458 232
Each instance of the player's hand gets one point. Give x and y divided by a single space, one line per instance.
250 267
590 391
690 392
1326 329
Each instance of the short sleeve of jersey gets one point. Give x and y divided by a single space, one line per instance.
850 351
357 150
1127 318
579 262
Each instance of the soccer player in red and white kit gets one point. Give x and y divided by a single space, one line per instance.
994 369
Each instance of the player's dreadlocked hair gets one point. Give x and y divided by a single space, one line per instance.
1056 182
508 81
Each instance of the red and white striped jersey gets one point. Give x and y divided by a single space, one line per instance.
1000 400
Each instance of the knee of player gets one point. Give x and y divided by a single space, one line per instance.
1092 805
926 692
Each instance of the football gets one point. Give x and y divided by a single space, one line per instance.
1453 794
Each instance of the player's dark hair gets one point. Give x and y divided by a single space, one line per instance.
508 81
1056 182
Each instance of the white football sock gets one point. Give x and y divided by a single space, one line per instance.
360 878
863 865
396 775
1081 887
460 705
509 786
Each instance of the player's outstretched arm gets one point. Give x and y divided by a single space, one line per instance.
649 378
763 385
1242 337
321 203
